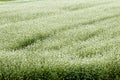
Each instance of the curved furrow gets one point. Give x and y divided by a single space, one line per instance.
80 6
75 42
66 37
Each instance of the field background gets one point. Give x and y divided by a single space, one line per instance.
60 40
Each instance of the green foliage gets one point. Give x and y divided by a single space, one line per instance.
60 40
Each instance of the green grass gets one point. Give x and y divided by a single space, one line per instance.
60 40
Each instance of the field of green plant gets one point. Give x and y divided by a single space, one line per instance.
60 40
